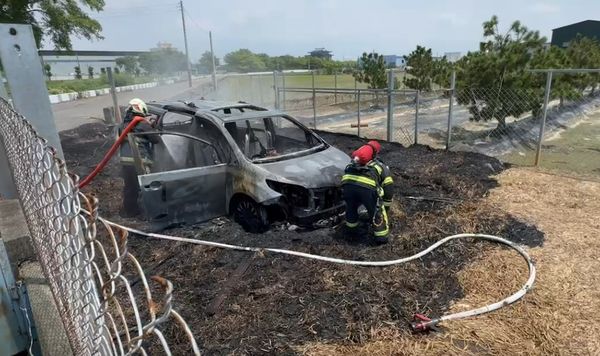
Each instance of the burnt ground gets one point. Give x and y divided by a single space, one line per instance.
240 303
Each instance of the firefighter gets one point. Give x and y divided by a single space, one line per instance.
137 108
367 181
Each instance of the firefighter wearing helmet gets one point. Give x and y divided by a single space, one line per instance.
136 108
368 182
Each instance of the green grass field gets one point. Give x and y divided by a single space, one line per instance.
575 150
78 85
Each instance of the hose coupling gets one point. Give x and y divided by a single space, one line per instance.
422 323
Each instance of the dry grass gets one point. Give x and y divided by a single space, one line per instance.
560 316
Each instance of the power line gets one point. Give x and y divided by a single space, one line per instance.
195 23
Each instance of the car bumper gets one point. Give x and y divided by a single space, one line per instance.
309 216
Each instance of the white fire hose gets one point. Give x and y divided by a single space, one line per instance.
421 322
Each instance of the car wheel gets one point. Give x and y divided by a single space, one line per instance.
250 215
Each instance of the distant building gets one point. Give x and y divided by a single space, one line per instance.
394 61
321 53
453 56
162 46
562 36
63 63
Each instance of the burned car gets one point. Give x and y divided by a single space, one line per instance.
213 159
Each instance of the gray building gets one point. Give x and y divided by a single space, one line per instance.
63 63
394 61
562 36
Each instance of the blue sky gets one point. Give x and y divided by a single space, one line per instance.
346 27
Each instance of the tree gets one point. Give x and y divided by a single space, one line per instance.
48 71
102 71
371 70
243 60
90 72
128 63
424 70
163 61
563 86
584 52
419 65
206 62
77 72
55 20
489 80
117 70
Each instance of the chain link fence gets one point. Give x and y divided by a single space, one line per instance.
106 302
501 122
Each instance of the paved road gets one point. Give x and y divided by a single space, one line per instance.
69 115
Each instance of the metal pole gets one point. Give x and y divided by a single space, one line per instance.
417 99
390 106
355 87
452 87
283 85
276 90
187 53
214 67
314 100
24 75
335 86
538 151
358 114
113 94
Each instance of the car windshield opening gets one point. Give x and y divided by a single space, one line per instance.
271 137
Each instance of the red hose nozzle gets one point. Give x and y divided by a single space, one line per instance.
423 323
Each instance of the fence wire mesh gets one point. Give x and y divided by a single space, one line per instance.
102 294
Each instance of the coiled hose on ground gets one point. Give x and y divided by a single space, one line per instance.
421 323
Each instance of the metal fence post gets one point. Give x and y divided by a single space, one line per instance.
390 106
314 100
450 109
113 94
275 90
417 99
24 74
355 88
283 85
538 150
335 86
358 114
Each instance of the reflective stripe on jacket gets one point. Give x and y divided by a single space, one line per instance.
375 175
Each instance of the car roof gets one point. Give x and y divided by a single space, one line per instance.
248 115
212 105
215 108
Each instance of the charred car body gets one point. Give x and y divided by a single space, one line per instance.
212 159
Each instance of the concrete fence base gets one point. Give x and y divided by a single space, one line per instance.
60 98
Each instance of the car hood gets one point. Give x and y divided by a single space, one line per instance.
320 169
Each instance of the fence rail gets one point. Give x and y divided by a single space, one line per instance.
86 262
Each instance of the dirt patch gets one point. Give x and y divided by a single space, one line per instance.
280 304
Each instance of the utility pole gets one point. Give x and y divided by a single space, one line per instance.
214 69
187 53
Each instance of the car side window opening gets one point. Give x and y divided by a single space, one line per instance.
206 146
261 138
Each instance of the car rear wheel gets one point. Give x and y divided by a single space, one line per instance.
250 215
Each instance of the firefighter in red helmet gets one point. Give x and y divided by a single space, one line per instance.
367 181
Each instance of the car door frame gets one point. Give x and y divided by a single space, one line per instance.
187 195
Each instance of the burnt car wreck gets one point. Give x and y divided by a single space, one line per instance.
210 159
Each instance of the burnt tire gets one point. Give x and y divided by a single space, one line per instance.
250 215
